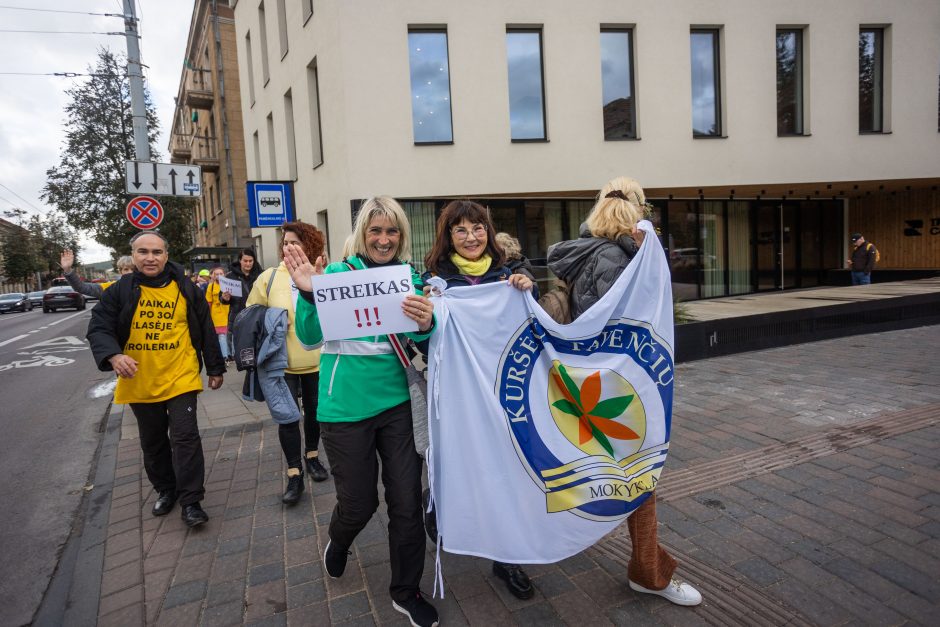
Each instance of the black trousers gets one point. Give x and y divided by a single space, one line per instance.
304 388
173 462
354 449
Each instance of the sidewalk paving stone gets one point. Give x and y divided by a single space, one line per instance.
848 537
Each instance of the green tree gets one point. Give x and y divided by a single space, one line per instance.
18 261
88 184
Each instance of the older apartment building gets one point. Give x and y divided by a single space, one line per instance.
207 127
764 132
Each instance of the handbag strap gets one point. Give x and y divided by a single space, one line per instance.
397 345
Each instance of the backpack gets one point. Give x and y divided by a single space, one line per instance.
870 246
557 303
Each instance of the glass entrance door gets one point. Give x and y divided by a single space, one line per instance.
775 246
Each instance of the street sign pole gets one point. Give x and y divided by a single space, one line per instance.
136 78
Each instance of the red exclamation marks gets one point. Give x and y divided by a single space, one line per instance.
378 322
358 323
366 312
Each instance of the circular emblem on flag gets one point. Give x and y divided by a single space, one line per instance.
589 418
144 212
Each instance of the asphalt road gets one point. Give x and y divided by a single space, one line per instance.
52 400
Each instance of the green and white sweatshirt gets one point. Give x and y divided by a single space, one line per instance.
358 382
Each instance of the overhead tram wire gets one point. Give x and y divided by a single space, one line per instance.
12 8
34 207
62 32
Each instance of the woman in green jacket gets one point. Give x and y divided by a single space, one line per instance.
365 409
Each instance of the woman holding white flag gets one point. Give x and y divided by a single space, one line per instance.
365 409
466 252
590 265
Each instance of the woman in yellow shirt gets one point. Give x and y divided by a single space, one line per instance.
219 310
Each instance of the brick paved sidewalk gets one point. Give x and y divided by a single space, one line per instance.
803 487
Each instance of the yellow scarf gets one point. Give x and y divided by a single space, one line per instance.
472 268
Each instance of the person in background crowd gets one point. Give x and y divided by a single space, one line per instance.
219 310
863 260
465 252
365 409
274 288
125 265
245 271
591 265
202 279
516 261
153 329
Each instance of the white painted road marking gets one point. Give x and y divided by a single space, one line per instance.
13 339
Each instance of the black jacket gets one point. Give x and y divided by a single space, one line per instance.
863 258
590 265
110 325
237 303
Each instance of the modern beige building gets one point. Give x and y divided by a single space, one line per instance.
764 132
207 127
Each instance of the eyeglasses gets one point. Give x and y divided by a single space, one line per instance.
460 233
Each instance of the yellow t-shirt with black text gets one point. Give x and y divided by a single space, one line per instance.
217 308
159 341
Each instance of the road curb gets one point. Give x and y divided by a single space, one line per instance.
73 595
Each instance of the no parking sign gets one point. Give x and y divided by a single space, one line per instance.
144 212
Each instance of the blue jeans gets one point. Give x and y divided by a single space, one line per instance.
861 278
223 343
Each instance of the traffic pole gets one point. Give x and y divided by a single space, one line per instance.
136 78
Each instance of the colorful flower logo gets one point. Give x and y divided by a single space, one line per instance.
614 426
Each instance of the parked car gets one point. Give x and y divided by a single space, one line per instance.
14 301
62 296
35 298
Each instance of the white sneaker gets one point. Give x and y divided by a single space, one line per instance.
677 591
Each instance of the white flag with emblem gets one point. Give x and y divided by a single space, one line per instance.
545 437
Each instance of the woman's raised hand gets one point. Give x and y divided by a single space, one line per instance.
300 268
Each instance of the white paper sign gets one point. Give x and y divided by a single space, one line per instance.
233 286
362 303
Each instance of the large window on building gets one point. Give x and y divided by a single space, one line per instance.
430 87
272 151
619 101
526 89
282 26
423 219
263 42
789 81
871 80
251 69
308 9
291 138
313 100
706 82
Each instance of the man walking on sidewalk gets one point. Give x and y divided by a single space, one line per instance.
862 261
154 330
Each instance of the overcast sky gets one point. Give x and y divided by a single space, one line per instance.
31 131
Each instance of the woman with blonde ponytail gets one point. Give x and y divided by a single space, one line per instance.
590 265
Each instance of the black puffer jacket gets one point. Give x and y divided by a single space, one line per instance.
110 325
590 265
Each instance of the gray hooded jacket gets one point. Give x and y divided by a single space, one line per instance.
270 362
590 266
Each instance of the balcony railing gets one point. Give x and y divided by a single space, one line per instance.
198 89
181 147
205 152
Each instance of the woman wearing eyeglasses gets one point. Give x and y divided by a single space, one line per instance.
465 252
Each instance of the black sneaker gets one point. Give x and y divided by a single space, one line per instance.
295 487
334 559
316 470
419 612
